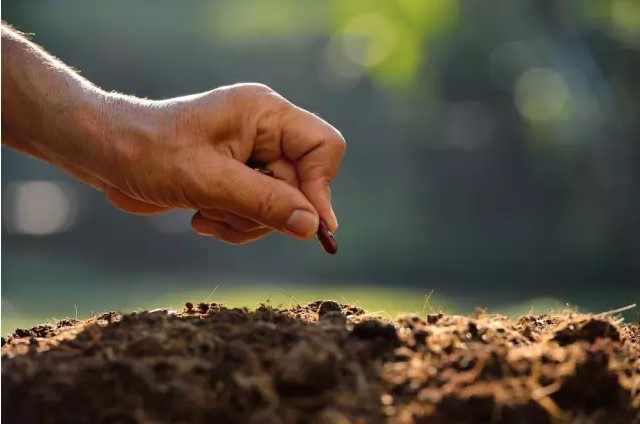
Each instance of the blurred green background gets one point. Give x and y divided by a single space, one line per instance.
493 156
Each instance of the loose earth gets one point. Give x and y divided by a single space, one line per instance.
322 363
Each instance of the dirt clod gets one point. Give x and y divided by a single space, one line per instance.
372 329
328 306
588 330
22 332
108 316
67 322
433 318
322 363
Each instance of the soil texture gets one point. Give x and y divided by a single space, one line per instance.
322 363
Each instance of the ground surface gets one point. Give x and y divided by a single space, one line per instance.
324 363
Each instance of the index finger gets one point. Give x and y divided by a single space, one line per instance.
317 149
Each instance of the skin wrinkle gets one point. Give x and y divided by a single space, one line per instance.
87 176
309 184
224 231
214 194
264 131
265 208
181 175
243 149
240 234
302 156
249 129
239 223
287 149
187 152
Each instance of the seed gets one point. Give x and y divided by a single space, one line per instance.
326 238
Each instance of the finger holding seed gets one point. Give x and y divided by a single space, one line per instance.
325 237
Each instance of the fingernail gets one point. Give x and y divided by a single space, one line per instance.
302 223
332 223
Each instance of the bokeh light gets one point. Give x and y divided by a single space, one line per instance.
39 208
368 39
541 94
625 15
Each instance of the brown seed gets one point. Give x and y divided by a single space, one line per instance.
326 238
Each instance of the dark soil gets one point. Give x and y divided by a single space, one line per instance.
322 363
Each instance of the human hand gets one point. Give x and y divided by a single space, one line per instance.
191 152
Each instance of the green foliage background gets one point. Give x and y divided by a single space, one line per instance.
493 148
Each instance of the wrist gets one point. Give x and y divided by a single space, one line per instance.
68 129
127 129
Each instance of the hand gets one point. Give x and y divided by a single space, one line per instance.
192 152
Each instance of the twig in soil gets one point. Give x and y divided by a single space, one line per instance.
346 302
76 307
355 303
426 302
567 309
211 294
291 298
615 311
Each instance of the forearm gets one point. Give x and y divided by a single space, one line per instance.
188 152
51 112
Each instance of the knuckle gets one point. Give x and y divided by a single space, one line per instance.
342 142
338 141
259 87
252 89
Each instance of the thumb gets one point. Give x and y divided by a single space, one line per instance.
266 200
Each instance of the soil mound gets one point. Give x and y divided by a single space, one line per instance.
322 363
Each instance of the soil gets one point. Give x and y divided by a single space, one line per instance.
322 363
